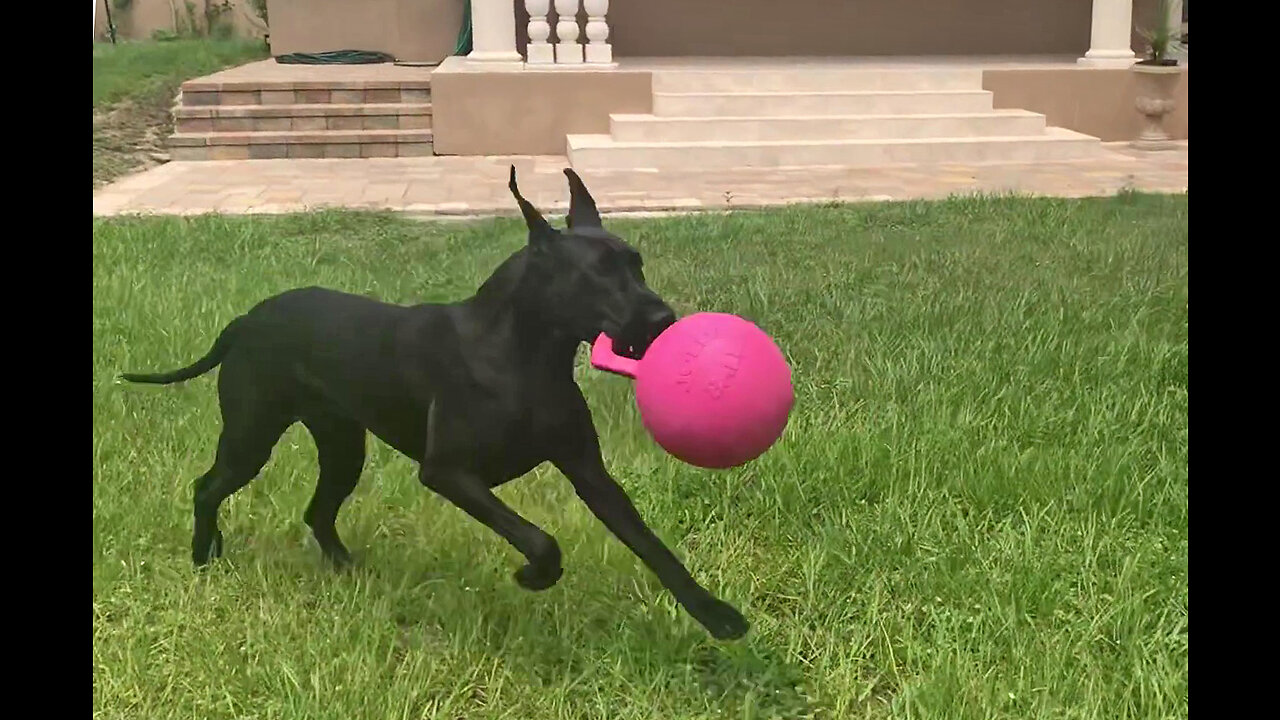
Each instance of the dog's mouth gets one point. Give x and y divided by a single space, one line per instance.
625 344
633 339
625 349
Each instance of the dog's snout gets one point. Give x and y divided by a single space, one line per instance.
648 322
660 318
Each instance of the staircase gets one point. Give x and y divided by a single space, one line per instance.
852 117
271 118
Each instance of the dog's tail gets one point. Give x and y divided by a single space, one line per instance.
219 351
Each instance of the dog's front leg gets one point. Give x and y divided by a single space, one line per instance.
609 502
442 471
473 495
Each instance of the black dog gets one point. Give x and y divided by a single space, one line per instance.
477 392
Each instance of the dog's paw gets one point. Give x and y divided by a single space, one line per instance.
534 578
201 556
339 561
721 619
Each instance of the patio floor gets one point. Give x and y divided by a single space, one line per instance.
478 185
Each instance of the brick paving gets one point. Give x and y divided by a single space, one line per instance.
449 186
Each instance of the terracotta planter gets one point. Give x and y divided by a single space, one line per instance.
1154 99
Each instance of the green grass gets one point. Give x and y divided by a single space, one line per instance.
133 88
136 71
979 509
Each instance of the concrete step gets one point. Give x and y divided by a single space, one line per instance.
653 128
200 93
300 144
311 117
602 152
793 104
815 79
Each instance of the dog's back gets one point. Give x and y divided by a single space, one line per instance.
322 326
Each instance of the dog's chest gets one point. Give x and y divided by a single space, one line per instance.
525 436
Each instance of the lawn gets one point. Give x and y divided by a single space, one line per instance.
134 84
978 511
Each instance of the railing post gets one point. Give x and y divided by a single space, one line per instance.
539 51
1110 34
493 32
568 49
598 50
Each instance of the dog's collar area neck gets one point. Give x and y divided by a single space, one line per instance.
511 304
523 330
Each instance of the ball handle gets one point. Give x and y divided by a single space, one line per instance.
604 358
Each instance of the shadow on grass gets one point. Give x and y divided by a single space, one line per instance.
454 600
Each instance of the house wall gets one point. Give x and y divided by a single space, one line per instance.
769 28
412 30
1094 101
527 112
531 111
427 30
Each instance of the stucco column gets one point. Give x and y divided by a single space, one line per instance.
493 33
1110 35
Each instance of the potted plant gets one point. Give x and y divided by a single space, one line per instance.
1157 77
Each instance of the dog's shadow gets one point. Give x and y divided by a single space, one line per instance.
585 625
548 636
754 675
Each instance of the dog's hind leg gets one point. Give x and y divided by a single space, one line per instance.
252 423
241 455
340 444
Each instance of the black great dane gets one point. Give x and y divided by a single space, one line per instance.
478 392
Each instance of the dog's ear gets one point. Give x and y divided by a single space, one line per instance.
582 207
540 230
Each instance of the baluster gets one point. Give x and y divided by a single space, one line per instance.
568 49
539 51
598 50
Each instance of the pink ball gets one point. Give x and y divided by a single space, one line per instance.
714 390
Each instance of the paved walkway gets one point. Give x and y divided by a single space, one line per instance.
477 185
